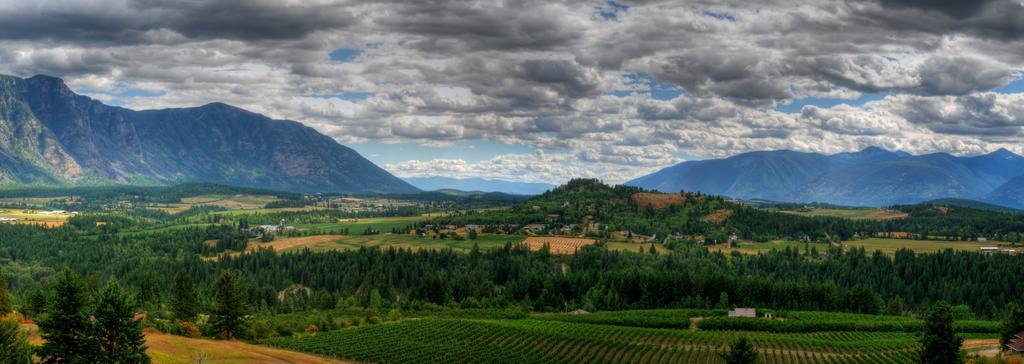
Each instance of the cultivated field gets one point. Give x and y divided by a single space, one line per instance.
519 341
359 226
757 248
853 213
231 202
36 217
889 246
557 244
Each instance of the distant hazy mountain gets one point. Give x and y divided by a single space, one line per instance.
478 184
51 136
871 177
1009 194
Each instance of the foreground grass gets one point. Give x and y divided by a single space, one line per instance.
164 348
171 349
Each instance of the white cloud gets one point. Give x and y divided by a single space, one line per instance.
539 73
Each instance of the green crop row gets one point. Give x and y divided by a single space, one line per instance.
435 340
791 325
663 319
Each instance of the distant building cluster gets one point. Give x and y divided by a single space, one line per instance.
997 250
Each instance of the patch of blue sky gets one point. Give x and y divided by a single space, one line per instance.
1016 86
471 151
720 15
612 10
120 93
345 55
350 96
794 106
657 90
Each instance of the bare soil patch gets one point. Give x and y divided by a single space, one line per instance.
657 200
719 216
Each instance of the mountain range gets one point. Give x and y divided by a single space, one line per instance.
478 184
871 177
50 136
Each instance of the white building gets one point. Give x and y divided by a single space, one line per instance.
743 312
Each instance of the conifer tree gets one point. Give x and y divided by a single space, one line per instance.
5 297
36 302
230 308
741 352
65 327
185 302
118 335
1013 324
939 344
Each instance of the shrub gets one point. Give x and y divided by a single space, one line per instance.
188 329
394 315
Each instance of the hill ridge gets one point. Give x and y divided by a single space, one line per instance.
870 177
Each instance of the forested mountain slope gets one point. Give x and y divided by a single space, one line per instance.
51 136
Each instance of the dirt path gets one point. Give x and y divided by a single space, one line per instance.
983 347
172 349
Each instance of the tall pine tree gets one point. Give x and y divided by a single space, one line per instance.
939 344
185 301
65 327
1013 324
230 308
118 334
5 297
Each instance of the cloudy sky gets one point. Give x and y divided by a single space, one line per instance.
548 90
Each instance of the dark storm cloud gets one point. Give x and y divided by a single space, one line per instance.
954 8
990 19
735 74
961 75
248 19
443 26
154 21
